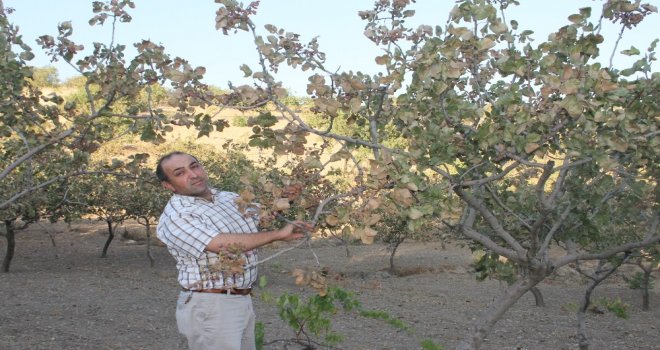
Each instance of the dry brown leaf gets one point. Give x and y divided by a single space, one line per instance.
367 235
281 204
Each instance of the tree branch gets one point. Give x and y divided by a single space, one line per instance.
55 179
501 204
34 151
607 253
491 220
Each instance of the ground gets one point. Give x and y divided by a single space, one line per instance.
60 294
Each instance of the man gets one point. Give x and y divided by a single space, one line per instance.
214 245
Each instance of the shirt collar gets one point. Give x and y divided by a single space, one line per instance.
183 199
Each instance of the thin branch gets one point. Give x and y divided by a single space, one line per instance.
501 204
540 186
652 133
616 44
607 253
34 151
464 174
308 236
559 183
485 180
128 116
548 238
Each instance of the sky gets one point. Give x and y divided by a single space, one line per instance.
187 30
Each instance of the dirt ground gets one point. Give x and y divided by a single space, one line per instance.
60 294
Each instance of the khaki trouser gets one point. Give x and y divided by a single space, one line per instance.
216 321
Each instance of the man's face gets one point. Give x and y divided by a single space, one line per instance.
185 176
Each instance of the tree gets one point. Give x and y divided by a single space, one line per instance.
116 100
648 260
602 271
45 76
144 201
102 197
482 111
30 208
49 122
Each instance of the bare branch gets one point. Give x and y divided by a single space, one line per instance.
488 243
308 236
607 253
501 204
559 183
540 186
127 116
548 238
485 180
491 220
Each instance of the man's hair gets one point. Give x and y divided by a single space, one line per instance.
160 173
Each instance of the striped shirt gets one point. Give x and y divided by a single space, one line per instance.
188 224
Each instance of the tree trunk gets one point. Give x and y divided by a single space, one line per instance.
394 246
111 236
646 284
602 273
151 258
583 338
482 326
11 244
52 241
538 297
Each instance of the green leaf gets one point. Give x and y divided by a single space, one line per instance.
148 133
26 55
632 51
575 18
264 119
514 25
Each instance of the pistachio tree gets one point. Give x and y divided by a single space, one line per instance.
485 115
144 200
113 85
34 123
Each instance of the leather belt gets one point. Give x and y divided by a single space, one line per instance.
230 291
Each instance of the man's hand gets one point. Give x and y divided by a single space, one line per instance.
295 230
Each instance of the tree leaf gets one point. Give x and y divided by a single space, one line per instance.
281 204
367 235
403 197
531 147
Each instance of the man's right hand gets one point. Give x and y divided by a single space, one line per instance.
296 230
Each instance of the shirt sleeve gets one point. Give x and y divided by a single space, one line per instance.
189 233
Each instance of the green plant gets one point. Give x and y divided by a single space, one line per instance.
239 121
615 306
491 265
571 307
637 281
312 317
382 315
259 332
428 344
